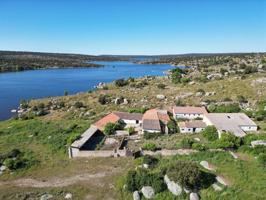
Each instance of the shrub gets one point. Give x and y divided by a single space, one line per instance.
149 147
172 127
131 130
150 160
179 102
198 146
24 104
137 110
186 173
228 140
161 86
241 99
103 99
176 75
185 80
210 133
148 135
186 143
110 128
135 180
121 82
78 104
20 160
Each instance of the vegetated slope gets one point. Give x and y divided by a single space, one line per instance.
19 61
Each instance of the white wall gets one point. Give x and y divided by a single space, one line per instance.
249 128
190 130
187 116
134 122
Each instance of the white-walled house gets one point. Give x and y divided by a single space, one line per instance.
236 123
195 126
188 112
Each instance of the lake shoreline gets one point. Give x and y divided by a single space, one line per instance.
54 81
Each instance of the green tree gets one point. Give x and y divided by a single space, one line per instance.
210 133
110 128
172 127
186 173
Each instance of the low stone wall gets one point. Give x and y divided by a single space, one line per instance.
167 152
76 153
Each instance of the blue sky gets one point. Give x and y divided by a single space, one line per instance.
133 26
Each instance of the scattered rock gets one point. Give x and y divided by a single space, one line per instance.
118 101
126 102
221 180
197 139
160 97
68 196
206 165
199 94
193 196
216 187
258 142
148 192
233 154
146 166
13 111
136 195
173 187
191 83
186 191
46 197
184 95
3 168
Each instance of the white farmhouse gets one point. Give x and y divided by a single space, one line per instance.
188 112
191 126
236 123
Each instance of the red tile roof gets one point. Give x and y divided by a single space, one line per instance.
189 110
111 118
152 118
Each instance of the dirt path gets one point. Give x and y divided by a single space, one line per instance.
58 182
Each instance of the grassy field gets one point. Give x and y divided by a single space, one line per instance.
246 177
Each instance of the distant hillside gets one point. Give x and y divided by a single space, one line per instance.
19 61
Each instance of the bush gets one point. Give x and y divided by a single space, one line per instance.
135 180
186 173
186 143
210 133
172 127
198 146
161 86
148 135
150 160
19 160
131 130
185 80
228 140
78 104
121 82
149 147
137 110
176 75
103 99
241 99
110 128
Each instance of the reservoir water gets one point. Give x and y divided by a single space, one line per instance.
34 84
